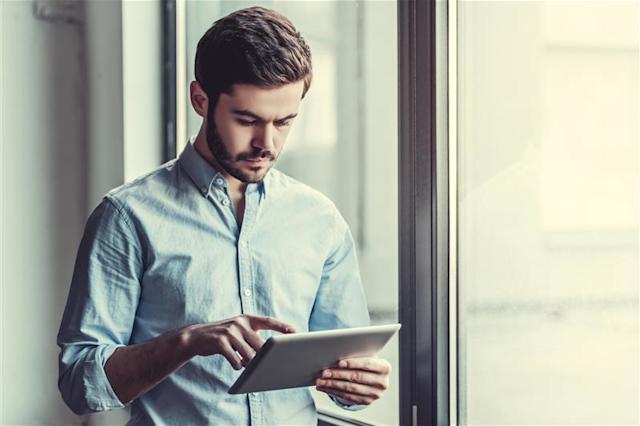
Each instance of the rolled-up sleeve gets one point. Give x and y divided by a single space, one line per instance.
100 309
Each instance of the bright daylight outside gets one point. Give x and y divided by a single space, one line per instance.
548 212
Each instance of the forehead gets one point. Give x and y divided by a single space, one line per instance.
265 102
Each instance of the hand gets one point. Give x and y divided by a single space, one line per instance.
356 380
237 334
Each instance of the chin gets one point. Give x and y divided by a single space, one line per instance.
254 174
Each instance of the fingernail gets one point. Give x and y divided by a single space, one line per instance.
343 363
321 382
326 373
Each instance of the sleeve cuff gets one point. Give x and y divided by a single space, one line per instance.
99 393
346 405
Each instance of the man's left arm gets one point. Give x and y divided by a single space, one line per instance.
341 303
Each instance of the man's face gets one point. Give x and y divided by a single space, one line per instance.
247 128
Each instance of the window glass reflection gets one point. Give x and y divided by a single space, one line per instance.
344 142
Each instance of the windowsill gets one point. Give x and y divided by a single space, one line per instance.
331 419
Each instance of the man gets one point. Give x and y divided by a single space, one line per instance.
179 270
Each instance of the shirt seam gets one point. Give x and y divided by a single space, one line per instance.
135 239
123 215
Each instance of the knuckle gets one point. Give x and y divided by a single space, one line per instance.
355 377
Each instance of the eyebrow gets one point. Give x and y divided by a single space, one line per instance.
255 116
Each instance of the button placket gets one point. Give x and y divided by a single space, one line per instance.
245 280
244 257
255 408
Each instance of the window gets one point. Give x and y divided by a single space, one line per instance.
344 142
514 247
548 212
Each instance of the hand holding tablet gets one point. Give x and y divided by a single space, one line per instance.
295 360
356 380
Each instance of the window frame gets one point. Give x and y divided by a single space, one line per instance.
169 82
423 207
423 219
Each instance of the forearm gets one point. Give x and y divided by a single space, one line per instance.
135 369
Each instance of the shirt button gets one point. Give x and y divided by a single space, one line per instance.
219 181
243 244
247 292
224 202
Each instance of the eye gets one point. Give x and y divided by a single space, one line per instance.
282 123
245 122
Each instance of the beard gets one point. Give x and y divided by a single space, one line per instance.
230 164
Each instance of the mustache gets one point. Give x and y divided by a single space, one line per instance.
257 155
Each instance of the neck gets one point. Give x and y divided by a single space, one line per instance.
234 185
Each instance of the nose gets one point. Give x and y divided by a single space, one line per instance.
264 138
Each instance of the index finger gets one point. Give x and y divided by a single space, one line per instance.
376 365
268 323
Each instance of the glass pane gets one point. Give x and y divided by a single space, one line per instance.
344 142
548 212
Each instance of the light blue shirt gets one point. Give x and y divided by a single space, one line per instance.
165 251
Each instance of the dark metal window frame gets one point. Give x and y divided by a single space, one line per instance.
169 89
423 223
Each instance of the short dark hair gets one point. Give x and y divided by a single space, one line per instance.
255 46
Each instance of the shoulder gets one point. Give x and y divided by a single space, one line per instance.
146 188
297 198
283 187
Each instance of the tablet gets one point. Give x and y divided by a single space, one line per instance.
295 360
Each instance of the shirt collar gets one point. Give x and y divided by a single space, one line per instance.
204 175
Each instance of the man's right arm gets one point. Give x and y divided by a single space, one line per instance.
101 306
135 369
98 369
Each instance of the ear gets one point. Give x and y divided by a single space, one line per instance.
199 99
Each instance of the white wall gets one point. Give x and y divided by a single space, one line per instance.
65 137
43 205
